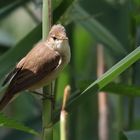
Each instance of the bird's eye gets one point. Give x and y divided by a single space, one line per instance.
54 38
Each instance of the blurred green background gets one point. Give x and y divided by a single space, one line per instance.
112 24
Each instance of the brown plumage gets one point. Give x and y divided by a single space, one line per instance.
40 66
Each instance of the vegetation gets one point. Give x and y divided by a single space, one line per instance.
103 73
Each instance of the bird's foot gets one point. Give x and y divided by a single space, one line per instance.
44 96
49 97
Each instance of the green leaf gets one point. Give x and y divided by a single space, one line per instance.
105 79
7 6
121 89
119 68
14 54
97 30
61 9
11 123
122 136
132 135
137 18
5 3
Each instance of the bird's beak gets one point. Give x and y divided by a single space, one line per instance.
65 38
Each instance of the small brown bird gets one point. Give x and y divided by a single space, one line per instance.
40 66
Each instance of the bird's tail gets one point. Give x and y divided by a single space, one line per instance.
5 100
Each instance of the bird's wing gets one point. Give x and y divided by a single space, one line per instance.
38 63
10 76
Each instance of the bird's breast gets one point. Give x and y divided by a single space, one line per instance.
48 78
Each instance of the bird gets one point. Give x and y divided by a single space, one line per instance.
40 66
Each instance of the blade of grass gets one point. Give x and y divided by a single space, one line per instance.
132 135
105 79
64 5
11 123
121 89
22 48
8 6
97 30
5 3
119 68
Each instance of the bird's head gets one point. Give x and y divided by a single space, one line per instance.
57 36
58 41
